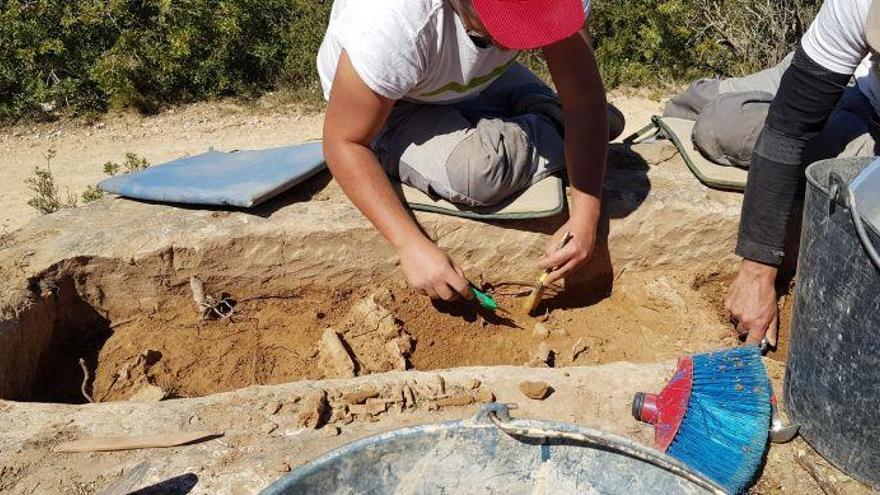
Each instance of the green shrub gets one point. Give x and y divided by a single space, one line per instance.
91 193
131 163
642 42
87 55
46 198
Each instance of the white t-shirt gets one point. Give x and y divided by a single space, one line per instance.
837 41
416 50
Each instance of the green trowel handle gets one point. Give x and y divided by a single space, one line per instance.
485 300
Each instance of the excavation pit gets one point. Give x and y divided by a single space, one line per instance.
109 285
137 329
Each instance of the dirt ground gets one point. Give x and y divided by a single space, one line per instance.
189 357
649 316
82 147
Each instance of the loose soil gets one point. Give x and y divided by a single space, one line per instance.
714 286
269 340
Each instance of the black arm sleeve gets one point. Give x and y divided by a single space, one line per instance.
807 95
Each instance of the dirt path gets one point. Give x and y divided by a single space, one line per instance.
82 148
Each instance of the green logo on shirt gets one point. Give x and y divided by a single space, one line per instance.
476 82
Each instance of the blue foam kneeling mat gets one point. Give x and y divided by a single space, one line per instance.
239 178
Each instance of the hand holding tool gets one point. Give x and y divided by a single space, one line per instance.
538 290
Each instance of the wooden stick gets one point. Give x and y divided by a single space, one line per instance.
811 469
82 388
110 444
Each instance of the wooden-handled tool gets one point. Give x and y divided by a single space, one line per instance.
538 290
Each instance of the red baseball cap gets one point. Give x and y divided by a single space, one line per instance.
527 24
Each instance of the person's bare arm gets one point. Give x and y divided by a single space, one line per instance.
355 115
575 71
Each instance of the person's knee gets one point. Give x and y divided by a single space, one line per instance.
727 130
491 164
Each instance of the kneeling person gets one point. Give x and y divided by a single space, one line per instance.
429 92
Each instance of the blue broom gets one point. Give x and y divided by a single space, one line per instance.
714 415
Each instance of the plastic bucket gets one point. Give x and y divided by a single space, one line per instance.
477 456
832 381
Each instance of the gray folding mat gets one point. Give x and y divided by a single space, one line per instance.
679 131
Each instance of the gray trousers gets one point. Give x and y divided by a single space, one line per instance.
730 115
480 151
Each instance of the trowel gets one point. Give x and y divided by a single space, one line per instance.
487 301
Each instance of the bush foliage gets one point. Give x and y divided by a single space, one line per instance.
668 41
87 55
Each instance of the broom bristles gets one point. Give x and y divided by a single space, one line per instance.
725 428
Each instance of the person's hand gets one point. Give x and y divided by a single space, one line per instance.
574 254
752 302
429 271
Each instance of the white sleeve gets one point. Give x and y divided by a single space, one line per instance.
587 5
382 46
836 39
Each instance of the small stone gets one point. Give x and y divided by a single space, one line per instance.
270 428
484 396
376 406
337 414
409 397
148 393
360 396
535 390
335 360
284 467
272 407
331 430
313 407
456 400
397 350
472 384
543 356
358 409
438 385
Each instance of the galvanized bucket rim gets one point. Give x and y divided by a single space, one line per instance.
480 422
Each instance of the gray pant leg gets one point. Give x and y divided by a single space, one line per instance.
503 157
692 102
474 153
728 126
766 80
